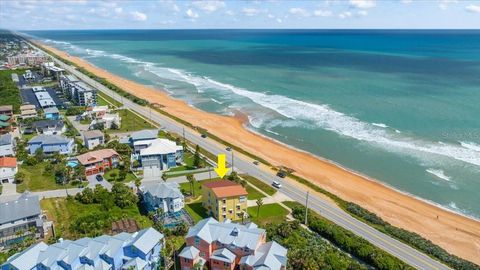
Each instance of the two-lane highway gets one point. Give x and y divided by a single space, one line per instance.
244 164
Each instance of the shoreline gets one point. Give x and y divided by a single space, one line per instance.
394 206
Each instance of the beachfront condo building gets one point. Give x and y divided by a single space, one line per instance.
77 91
224 200
226 245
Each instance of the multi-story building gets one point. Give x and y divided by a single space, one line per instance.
51 144
226 245
50 70
28 111
20 218
7 145
93 138
225 199
6 110
97 161
30 59
139 250
162 195
158 156
49 127
139 136
8 169
79 92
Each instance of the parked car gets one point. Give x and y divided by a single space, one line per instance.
276 184
204 135
228 149
256 162
99 177
281 174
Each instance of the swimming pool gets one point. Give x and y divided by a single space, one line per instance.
72 163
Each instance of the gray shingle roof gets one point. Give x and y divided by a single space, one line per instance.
6 139
25 206
163 190
270 255
89 134
50 139
189 252
48 123
144 134
146 239
223 255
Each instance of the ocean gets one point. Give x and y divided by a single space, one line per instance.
401 107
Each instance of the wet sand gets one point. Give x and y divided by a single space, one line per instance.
457 234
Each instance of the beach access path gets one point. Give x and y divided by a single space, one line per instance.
317 202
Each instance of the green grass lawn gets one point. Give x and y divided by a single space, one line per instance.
28 137
103 100
9 91
198 186
36 179
269 213
260 184
253 194
188 160
196 211
131 122
64 212
108 175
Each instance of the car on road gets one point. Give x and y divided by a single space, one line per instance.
99 177
228 149
204 135
276 184
281 174
255 162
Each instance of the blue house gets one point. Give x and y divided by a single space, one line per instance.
139 140
51 144
140 250
51 113
159 155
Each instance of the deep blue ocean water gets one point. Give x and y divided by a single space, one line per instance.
402 107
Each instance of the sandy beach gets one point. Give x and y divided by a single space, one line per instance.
457 234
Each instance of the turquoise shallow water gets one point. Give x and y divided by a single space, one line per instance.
399 106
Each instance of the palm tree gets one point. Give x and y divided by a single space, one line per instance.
191 179
164 177
259 204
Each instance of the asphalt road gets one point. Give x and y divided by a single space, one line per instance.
330 211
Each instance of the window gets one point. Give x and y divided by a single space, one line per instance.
224 201
242 198
226 264
197 241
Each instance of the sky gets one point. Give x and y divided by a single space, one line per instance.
282 14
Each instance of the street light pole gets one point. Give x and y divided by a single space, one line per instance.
233 162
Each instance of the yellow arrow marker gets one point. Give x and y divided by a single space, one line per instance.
221 170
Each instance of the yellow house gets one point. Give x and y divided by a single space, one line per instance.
224 199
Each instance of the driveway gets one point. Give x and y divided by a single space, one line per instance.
8 189
77 125
92 182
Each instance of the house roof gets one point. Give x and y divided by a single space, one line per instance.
4 117
146 239
6 139
226 188
135 264
25 206
223 255
163 190
42 124
27 107
159 147
269 255
145 134
96 156
189 252
50 110
6 108
27 259
50 139
9 162
90 134
227 233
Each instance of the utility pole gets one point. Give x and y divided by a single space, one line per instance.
306 209
233 162
183 134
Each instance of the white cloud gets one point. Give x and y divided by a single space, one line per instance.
118 10
445 3
209 6
345 15
250 11
322 13
138 16
191 14
279 20
362 3
299 12
362 13
473 8
230 13
406 1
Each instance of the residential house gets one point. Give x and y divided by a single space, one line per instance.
93 138
158 156
8 169
51 144
227 245
28 111
162 195
51 113
7 110
97 161
79 92
138 136
5 121
108 120
139 250
20 218
7 145
49 127
96 112
224 199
